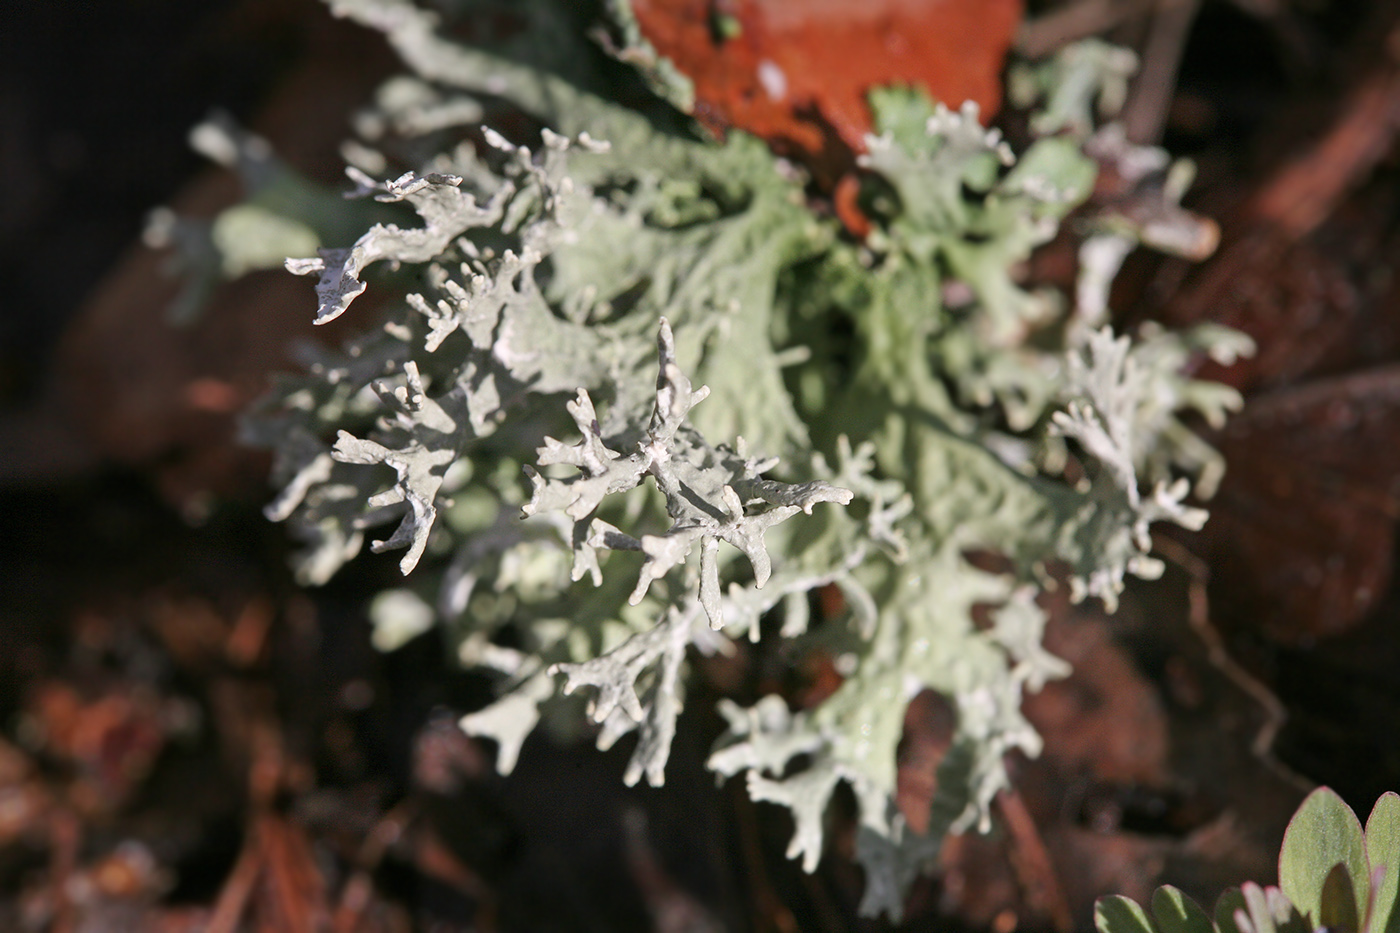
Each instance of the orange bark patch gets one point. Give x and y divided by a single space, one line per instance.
796 72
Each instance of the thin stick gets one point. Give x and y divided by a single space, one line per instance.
1303 194
771 913
65 833
1049 33
1198 602
358 892
1034 868
1145 115
237 889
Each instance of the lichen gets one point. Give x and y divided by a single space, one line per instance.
729 376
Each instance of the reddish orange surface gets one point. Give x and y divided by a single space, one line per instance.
797 71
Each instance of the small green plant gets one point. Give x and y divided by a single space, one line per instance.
1332 875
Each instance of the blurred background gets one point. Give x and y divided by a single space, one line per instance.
189 742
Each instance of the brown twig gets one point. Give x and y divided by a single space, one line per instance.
237 890
1304 193
772 914
1145 114
1048 33
1035 870
295 888
65 835
1198 602
358 892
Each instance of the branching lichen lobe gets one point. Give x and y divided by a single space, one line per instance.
637 298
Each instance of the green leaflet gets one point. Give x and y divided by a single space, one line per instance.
1322 834
1333 875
